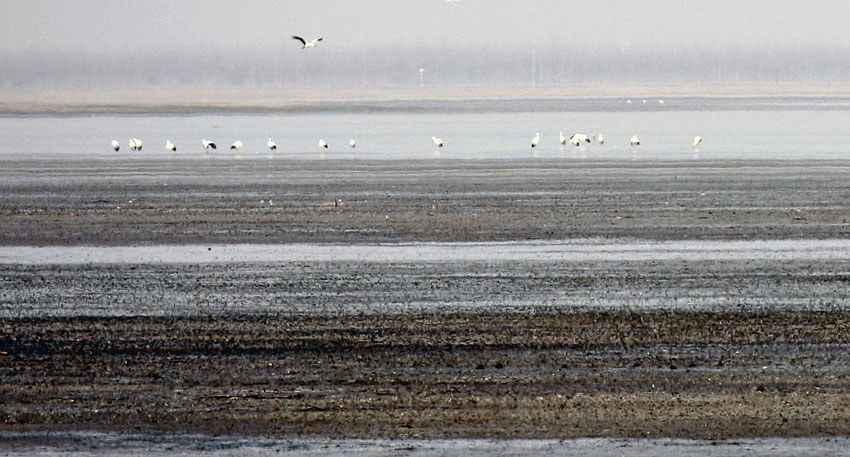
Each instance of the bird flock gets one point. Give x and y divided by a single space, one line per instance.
576 139
136 144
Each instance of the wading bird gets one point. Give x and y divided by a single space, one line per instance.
170 146
697 141
207 144
307 44
578 138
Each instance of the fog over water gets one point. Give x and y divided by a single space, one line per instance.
98 44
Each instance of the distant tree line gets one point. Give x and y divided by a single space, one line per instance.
325 67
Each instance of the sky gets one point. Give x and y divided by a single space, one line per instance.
131 26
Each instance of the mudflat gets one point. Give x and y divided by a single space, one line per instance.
696 375
131 202
535 349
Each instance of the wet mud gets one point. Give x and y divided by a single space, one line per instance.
276 201
532 349
696 375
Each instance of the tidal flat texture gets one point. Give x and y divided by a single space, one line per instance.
695 346
696 375
128 202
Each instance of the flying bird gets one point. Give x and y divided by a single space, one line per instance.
697 141
236 145
535 140
635 141
135 144
600 139
115 145
271 144
170 146
323 144
437 142
561 138
207 144
352 143
307 44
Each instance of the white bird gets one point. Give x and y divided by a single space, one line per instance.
323 144
535 140
135 144
577 138
635 141
115 145
307 44
352 143
236 145
207 144
437 142
170 146
697 141
600 139
561 138
271 144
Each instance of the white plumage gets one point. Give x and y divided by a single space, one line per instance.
207 144
170 146
635 141
307 44
578 138
600 139
115 145
271 144
236 145
437 142
323 144
561 138
697 141
352 143
535 140
135 144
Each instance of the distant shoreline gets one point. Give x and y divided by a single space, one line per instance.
193 100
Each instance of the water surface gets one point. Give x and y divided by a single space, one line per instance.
735 129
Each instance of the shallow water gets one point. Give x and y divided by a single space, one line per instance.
760 129
524 251
83 444
332 279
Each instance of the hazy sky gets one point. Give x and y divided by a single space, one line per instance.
116 26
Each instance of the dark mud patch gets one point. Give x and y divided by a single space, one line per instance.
692 375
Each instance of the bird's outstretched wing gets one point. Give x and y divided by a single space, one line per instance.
319 39
299 39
